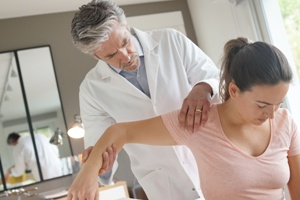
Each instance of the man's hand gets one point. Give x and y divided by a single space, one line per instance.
6 176
195 106
8 172
108 158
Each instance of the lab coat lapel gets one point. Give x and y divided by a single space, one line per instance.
151 59
117 81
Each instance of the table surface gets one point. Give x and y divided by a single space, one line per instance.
106 191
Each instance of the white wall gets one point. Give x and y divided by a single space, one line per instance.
217 21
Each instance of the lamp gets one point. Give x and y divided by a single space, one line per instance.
77 129
56 139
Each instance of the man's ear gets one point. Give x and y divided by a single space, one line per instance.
233 89
127 26
96 57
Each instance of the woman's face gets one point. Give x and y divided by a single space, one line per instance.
261 102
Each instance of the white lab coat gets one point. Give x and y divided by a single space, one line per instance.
48 156
173 65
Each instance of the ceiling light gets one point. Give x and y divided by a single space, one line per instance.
9 88
13 73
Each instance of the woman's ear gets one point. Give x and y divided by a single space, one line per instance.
233 89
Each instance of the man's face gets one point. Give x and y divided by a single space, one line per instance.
119 50
13 143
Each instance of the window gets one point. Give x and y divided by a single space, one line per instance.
43 130
280 23
291 19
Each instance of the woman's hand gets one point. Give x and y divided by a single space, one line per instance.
85 186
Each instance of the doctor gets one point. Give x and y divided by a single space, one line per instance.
24 156
141 75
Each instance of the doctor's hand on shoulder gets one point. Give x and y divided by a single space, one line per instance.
195 107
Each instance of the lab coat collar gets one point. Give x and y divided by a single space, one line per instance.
151 58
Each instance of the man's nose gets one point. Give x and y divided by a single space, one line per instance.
123 55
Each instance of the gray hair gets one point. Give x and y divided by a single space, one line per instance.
93 23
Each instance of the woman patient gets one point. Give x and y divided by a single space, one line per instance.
248 149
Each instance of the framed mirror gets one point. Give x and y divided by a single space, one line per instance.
30 106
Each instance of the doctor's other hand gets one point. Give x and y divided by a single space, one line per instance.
108 158
194 110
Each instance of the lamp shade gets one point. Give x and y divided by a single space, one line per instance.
77 129
56 139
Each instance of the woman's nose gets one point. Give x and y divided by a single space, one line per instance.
270 111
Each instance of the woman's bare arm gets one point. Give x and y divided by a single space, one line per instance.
151 132
294 182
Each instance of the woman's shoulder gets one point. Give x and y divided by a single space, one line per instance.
284 117
283 113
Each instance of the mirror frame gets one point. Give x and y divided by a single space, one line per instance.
29 117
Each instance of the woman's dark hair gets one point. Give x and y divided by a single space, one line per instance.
249 64
12 137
